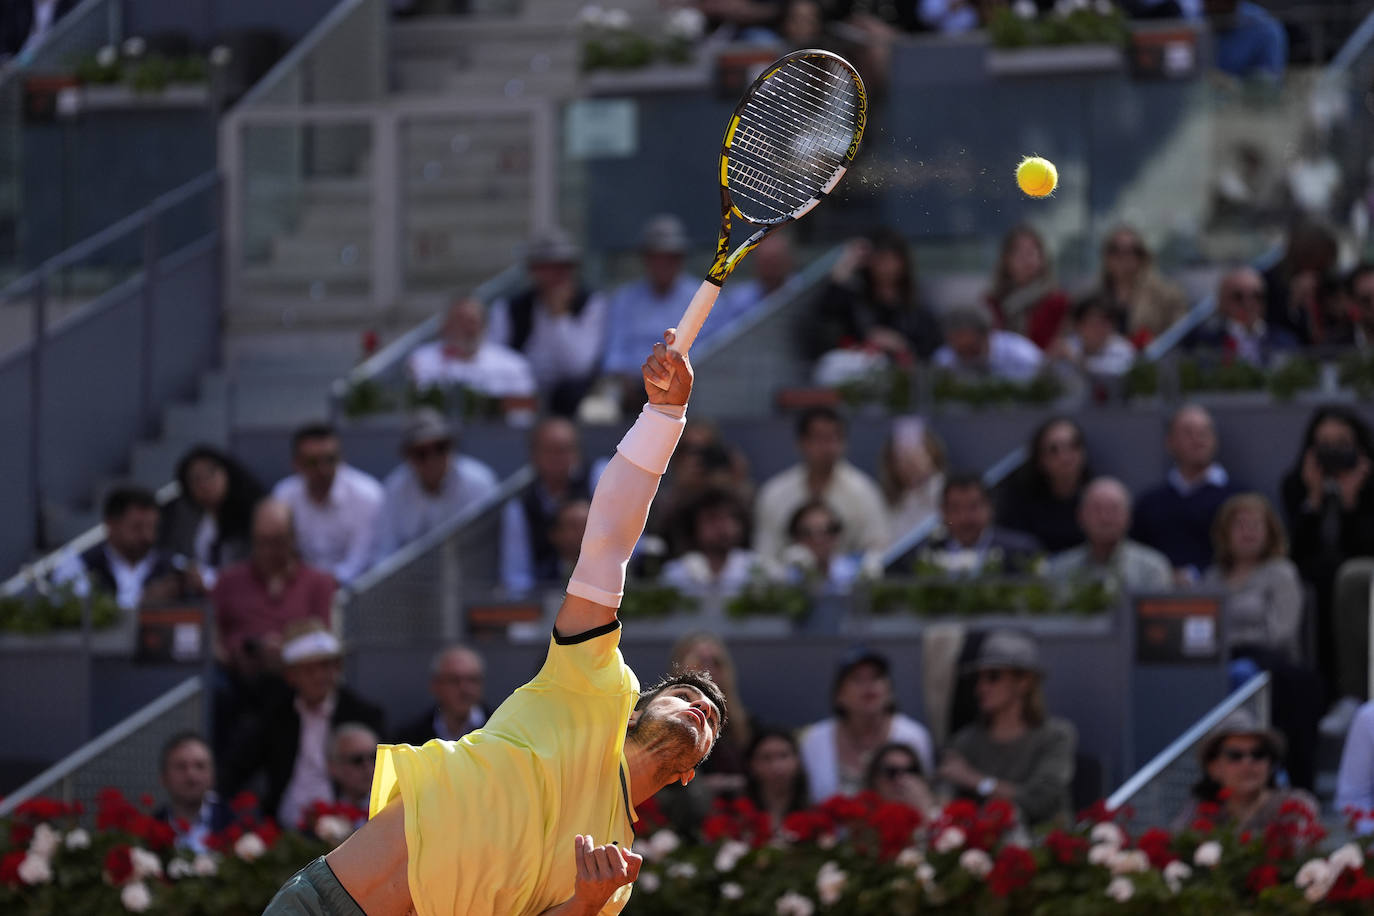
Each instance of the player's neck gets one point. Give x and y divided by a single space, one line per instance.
642 772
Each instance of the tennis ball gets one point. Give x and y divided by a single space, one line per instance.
1036 176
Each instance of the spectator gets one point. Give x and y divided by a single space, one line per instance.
128 565
895 775
1104 515
871 301
1359 304
1142 304
773 262
565 535
334 506
948 17
208 523
1329 502
1175 516
1024 297
1093 346
970 543
289 746
25 23
911 472
1240 763
1248 39
1355 780
1239 329
719 559
1041 496
775 780
814 556
1015 750
527 553
823 474
703 461
351 753
802 24
456 678
836 751
464 356
724 769
193 810
973 348
557 324
432 486
1299 291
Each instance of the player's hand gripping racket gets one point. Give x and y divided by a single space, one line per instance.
788 143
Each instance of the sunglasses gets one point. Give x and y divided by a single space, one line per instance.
898 772
358 760
1231 755
320 461
1135 250
993 675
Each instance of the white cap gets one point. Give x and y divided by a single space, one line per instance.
310 647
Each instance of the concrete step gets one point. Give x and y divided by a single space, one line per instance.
344 224
205 420
437 36
307 254
477 84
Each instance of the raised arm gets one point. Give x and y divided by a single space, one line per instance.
620 505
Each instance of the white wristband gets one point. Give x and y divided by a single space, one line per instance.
650 443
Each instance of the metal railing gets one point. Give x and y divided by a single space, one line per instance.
342 59
1161 789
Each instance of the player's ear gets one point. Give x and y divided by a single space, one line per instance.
688 776
634 717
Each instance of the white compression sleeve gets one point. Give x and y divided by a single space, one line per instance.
620 505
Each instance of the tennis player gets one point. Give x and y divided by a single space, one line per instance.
533 813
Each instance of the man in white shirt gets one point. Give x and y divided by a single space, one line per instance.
557 324
973 348
718 559
464 357
334 506
431 487
1104 514
822 474
128 565
1095 347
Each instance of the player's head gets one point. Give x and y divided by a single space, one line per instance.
677 722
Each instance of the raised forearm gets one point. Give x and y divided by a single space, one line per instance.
574 907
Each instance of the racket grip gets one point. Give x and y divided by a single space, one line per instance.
695 316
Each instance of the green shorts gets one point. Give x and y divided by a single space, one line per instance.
313 891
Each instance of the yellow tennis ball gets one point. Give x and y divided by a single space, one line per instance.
1037 176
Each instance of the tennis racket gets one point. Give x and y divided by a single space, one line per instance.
789 141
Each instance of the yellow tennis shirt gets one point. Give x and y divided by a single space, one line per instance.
490 818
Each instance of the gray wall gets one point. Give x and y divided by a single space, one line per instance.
205 19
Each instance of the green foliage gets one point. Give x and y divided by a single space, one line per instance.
366 398
618 50
762 598
889 387
59 610
152 73
1082 26
1357 372
1142 380
937 592
1198 376
647 601
980 393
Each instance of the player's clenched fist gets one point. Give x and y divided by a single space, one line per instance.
667 374
602 870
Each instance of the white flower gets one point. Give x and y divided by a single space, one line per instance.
249 847
1348 856
687 23
204 866
221 55
1175 873
663 843
682 870
1120 889
731 851
827 841
146 864
178 869
78 839
925 872
950 839
910 857
1101 854
976 862
1024 9
135 897
592 16
1208 854
333 829
134 47
1129 862
45 841
830 882
648 882
106 56
731 891
1109 834
1316 878
35 870
616 20
794 904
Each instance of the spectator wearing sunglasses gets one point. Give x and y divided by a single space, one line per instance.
815 554
895 774
1240 764
432 486
1014 750
1239 329
1141 302
352 756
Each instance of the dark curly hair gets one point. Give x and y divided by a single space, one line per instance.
690 678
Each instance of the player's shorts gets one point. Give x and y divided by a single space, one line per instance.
313 891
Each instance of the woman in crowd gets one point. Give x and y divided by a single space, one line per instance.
836 751
1240 763
775 780
895 774
1041 497
1015 750
814 552
871 300
1142 302
911 472
208 524
724 769
1025 297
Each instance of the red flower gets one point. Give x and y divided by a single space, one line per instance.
806 826
1013 869
20 833
1202 825
158 835
1066 847
1157 844
147 800
41 809
894 823
244 803
9 867
1097 813
269 832
1261 877
843 808
119 866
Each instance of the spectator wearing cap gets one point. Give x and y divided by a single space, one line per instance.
128 565
557 323
289 747
1240 761
641 309
1014 750
431 486
969 542
464 356
560 476
194 811
1104 515
974 348
334 505
836 751
457 675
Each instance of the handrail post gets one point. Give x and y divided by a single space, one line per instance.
388 240
148 323
40 333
